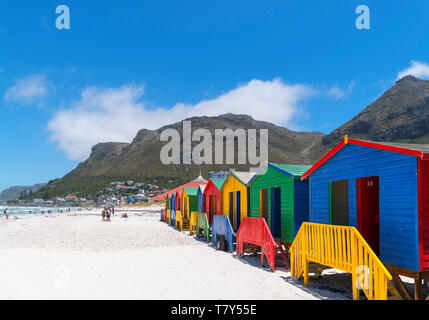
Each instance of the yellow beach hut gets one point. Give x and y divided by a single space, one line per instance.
235 197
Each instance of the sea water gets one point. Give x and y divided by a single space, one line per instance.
17 211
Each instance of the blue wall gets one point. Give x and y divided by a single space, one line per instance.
173 202
398 197
200 200
301 196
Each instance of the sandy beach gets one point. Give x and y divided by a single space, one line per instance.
76 256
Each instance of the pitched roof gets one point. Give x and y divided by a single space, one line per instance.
291 170
193 184
202 188
191 191
243 176
199 179
423 148
218 182
417 150
295 170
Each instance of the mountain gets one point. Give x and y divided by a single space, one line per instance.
13 193
140 159
401 114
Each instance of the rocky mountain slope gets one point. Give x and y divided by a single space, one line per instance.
14 192
401 114
140 160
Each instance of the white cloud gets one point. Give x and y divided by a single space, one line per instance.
338 93
417 69
116 114
28 90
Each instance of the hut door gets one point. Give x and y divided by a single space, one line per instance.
264 205
339 203
214 203
368 208
237 209
231 209
185 207
275 213
209 208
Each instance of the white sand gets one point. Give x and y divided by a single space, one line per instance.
76 256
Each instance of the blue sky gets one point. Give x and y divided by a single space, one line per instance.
126 65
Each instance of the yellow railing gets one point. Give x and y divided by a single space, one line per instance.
167 218
179 220
341 248
193 222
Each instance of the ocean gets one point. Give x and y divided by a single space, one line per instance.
15 211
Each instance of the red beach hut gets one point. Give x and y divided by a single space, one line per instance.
213 198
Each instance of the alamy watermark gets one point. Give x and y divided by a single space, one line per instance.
63 20
363 20
202 153
362 279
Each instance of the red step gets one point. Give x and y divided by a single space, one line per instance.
281 256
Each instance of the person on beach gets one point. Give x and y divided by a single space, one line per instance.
6 213
108 215
103 214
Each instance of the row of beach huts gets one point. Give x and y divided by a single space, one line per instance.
363 208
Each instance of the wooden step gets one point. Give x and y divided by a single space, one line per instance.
281 256
391 288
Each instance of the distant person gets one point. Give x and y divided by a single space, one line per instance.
108 215
6 213
103 214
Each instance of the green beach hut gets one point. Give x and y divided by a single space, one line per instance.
189 202
278 195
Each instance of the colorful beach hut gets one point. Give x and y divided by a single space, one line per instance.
382 189
178 198
213 198
278 195
173 202
200 196
194 183
166 202
189 201
235 197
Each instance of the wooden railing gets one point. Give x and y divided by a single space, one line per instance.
193 223
167 217
255 231
341 248
203 224
173 217
222 226
179 220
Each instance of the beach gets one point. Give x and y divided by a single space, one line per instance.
76 256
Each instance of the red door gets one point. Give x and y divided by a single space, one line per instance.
368 211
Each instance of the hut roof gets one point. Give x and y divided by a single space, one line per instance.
202 187
295 170
418 150
218 182
291 170
180 188
243 176
191 191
